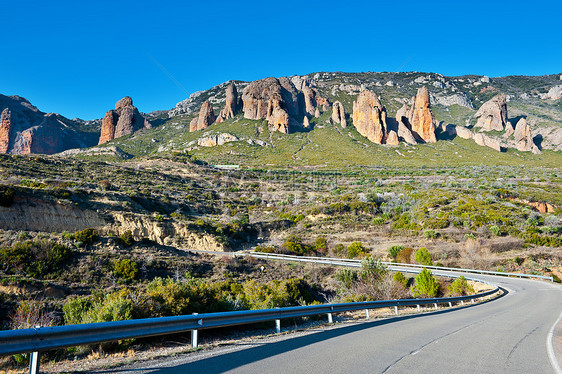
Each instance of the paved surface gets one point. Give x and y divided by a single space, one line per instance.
507 335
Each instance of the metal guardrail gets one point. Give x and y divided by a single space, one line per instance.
344 261
40 339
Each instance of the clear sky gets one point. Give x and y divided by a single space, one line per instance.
78 57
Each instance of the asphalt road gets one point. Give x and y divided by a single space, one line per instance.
506 335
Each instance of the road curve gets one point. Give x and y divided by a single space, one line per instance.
508 335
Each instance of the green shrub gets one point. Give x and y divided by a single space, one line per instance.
34 257
495 230
377 221
340 250
294 244
321 245
346 277
32 183
426 284
266 249
400 279
430 234
372 270
423 257
87 236
126 269
461 287
394 250
100 307
127 238
357 249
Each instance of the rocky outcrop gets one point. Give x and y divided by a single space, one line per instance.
166 232
509 130
125 119
421 118
309 100
263 99
492 115
205 118
555 93
392 138
523 137
214 140
338 114
5 127
369 117
404 131
231 104
463 132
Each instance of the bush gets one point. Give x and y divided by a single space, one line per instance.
426 284
356 249
461 287
423 257
127 238
100 307
87 236
495 230
126 269
377 221
294 244
430 234
34 257
400 279
372 270
346 278
321 245
394 251
405 255
340 250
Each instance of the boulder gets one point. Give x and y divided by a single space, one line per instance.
317 113
125 119
523 138
486 141
369 117
214 140
231 104
5 128
338 114
492 115
509 130
463 132
404 131
392 138
421 118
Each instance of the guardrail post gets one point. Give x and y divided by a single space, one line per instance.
278 325
419 309
330 320
472 301
194 336
462 302
34 359
450 305
435 304
367 313
396 309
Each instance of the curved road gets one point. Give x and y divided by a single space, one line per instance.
506 335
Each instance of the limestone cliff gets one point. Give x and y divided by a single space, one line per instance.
231 104
205 118
421 118
263 99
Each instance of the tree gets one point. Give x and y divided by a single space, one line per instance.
423 257
426 284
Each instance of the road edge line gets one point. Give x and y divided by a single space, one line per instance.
551 354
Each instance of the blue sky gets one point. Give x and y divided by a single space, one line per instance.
77 58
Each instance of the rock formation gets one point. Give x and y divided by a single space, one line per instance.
492 115
214 140
555 92
309 100
404 131
338 114
125 119
369 117
305 122
392 138
421 118
5 127
231 104
317 113
486 141
523 138
263 99
205 118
